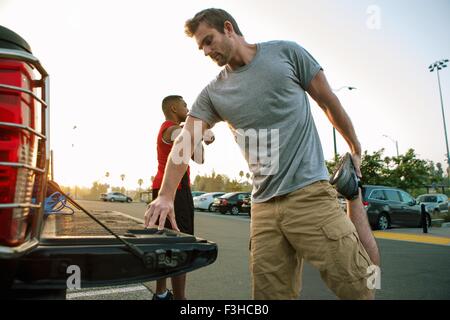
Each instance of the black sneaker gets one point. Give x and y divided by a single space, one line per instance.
345 179
169 296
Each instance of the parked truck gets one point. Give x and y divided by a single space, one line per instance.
39 252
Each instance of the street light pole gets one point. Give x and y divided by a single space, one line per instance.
439 65
393 140
334 129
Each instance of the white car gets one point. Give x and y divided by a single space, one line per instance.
115 196
436 204
205 201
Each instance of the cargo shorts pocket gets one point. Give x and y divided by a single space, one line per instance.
346 257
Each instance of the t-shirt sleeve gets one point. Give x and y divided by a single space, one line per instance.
306 67
203 109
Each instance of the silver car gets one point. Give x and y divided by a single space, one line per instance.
436 204
115 196
205 201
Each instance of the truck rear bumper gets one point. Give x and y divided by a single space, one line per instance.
48 266
76 242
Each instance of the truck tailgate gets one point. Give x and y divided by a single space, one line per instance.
76 240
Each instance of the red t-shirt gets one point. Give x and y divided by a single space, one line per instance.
163 149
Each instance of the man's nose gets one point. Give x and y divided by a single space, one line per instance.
206 50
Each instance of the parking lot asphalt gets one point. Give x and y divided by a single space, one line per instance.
411 267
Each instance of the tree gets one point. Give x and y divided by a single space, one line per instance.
140 182
436 173
241 174
97 189
332 164
247 175
374 168
409 172
219 182
122 177
107 176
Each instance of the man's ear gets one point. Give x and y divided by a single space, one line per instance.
228 28
173 109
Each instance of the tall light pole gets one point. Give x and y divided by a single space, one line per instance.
334 129
393 140
439 65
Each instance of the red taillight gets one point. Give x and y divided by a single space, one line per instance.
17 147
365 204
224 202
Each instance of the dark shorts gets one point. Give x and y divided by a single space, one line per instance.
184 207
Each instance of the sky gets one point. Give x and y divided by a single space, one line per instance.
112 62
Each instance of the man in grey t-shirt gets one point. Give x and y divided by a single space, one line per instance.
262 94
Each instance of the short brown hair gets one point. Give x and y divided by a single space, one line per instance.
215 18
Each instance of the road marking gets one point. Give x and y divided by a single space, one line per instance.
412 237
130 217
105 292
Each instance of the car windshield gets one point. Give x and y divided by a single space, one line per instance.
428 199
228 195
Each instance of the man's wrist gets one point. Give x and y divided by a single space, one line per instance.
166 195
356 150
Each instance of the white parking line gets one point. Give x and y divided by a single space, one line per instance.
105 292
130 217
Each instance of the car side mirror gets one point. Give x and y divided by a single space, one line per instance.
412 203
440 201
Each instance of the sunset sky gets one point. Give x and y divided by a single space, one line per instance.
112 62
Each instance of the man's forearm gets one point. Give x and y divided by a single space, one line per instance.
341 121
174 172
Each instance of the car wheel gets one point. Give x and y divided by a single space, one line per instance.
210 208
129 200
112 200
234 210
383 221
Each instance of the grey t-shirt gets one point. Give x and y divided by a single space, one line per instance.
266 107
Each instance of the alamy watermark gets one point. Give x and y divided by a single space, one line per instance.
373 21
261 148
374 280
74 280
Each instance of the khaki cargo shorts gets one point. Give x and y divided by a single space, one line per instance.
306 224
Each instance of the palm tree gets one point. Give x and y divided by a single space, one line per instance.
241 174
247 175
107 176
140 182
122 177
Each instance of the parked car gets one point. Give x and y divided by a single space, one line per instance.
197 193
115 196
436 204
247 205
230 202
205 201
387 206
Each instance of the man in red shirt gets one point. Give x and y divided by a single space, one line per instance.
175 111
